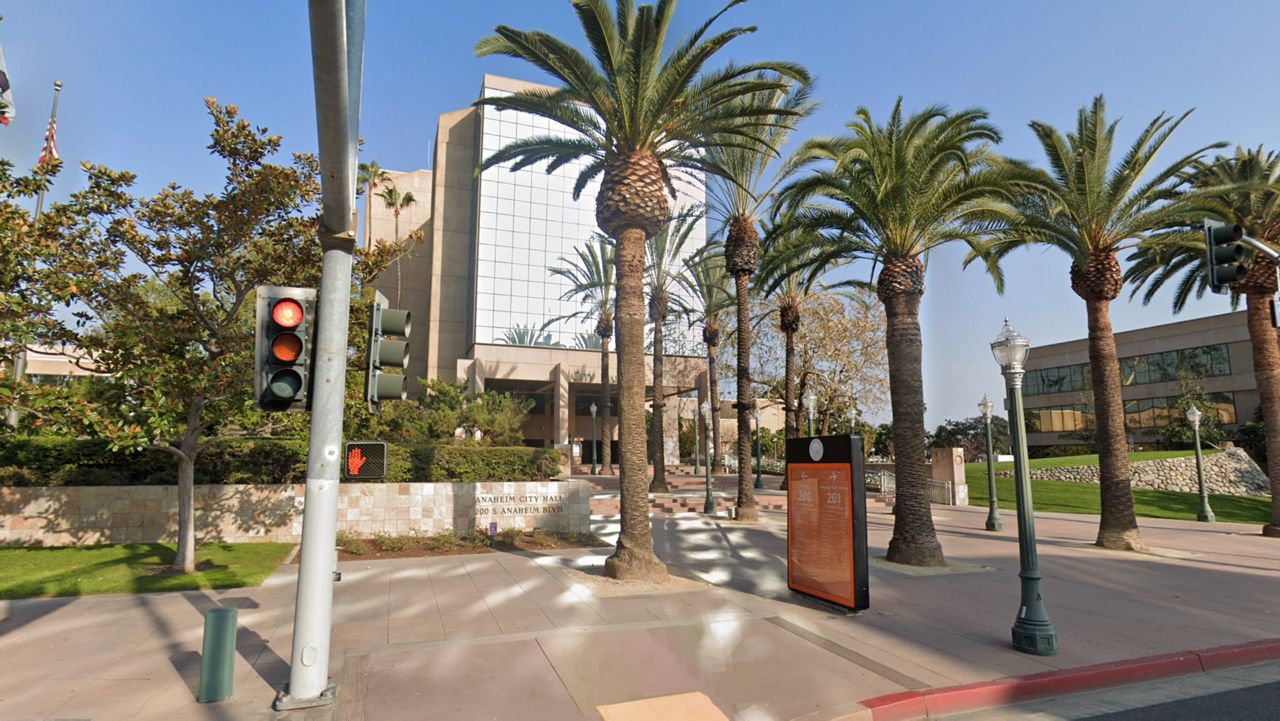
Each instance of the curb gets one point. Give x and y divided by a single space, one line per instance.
934 702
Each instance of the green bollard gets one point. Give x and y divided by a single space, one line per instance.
217 661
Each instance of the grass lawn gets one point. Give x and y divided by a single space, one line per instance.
132 567
1066 497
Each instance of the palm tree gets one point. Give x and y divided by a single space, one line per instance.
591 282
1242 188
397 201
370 176
639 117
738 200
708 300
889 194
664 266
787 279
1089 210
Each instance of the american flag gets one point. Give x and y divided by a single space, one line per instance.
50 150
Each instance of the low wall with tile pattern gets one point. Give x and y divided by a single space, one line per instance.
80 515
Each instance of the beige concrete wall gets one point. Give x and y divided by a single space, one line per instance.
451 246
81 515
414 266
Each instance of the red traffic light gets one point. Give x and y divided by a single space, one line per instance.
287 313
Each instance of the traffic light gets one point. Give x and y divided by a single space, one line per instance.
1225 254
388 348
285 327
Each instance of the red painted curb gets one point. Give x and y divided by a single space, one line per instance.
928 703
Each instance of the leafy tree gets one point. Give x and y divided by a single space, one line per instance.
664 270
971 435
883 447
591 282
738 199
640 113
887 195
164 286
1252 437
1242 188
1091 211
1178 433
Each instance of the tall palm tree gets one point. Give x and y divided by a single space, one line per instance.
1242 188
590 279
1090 210
889 194
370 176
641 113
397 201
708 298
738 199
787 279
664 266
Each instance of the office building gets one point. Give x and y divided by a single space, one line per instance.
1155 363
476 276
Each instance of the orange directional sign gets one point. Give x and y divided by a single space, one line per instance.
826 520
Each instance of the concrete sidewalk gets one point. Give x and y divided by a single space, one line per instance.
496 636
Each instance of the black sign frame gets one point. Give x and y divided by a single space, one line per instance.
838 449
374 467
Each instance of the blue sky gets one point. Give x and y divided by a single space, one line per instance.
136 72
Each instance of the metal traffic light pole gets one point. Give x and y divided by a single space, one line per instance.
337 57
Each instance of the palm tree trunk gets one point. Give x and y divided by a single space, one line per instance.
399 256
634 557
1118 527
1266 375
659 484
914 542
606 453
790 418
745 507
713 390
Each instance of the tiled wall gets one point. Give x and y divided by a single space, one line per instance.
131 514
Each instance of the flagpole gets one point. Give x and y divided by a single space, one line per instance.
20 360
53 118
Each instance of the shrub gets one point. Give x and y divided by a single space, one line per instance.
478 537
460 463
346 540
393 543
510 535
88 476
11 476
444 540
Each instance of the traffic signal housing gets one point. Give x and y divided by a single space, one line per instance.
389 330
1225 254
283 347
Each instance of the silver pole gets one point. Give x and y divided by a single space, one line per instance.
337 50
19 368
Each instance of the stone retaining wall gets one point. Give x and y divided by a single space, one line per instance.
78 515
1231 473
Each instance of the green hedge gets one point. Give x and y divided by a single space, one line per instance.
55 461
473 464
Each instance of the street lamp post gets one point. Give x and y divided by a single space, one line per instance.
810 401
993 511
755 415
1032 630
1206 513
709 505
594 450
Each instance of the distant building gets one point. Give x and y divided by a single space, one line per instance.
1215 351
46 365
486 310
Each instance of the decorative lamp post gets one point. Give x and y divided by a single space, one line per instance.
709 505
1206 513
755 415
594 450
993 513
1032 630
810 401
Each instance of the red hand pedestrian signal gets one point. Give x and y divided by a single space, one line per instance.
355 461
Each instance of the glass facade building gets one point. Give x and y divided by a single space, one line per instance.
1202 362
527 222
